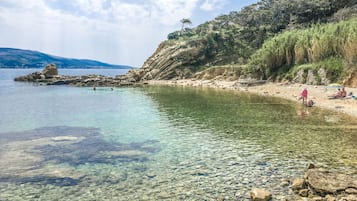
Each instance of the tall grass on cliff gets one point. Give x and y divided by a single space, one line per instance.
297 47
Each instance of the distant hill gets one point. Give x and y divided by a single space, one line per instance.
18 58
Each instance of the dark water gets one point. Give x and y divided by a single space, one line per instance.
159 143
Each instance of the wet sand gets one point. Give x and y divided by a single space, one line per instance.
319 94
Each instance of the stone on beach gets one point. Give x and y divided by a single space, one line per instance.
259 194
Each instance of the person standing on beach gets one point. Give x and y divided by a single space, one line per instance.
303 95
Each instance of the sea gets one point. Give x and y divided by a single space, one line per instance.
160 142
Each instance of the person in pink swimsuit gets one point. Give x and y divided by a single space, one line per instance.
303 95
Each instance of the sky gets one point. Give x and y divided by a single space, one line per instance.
124 32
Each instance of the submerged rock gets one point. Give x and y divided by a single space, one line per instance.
50 155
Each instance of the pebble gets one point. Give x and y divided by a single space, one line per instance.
284 184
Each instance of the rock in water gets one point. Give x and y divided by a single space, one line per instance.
49 76
50 71
298 184
326 182
259 194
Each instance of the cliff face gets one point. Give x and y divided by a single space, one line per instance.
174 60
177 59
231 40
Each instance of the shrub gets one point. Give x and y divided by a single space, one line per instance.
327 45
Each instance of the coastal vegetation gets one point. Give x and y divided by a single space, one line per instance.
332 47
268 40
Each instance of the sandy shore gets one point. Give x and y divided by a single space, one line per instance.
319 94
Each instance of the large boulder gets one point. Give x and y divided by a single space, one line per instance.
326 182
326 185
50 70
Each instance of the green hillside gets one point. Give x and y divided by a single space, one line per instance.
251 40
236 36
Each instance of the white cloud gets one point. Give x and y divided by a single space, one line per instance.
125 13
90 6
169 12
209 5
116 31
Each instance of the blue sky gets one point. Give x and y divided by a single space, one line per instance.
114 31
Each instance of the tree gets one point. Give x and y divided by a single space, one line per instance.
185 21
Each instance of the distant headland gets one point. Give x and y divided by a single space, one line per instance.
18 58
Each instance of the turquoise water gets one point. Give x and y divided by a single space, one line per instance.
159 143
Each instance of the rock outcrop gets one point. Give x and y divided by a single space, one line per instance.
312 77
321 184
172 59
351 79
50 71
49 76
324 182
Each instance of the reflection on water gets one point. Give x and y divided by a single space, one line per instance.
287 128
162 143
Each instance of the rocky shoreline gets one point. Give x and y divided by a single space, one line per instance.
49 76
318 184
321 184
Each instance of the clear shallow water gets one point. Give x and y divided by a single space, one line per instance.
159 143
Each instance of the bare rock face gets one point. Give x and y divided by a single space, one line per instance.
173 59
351 80
299 77
50 70
311 77
323 76
259 194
